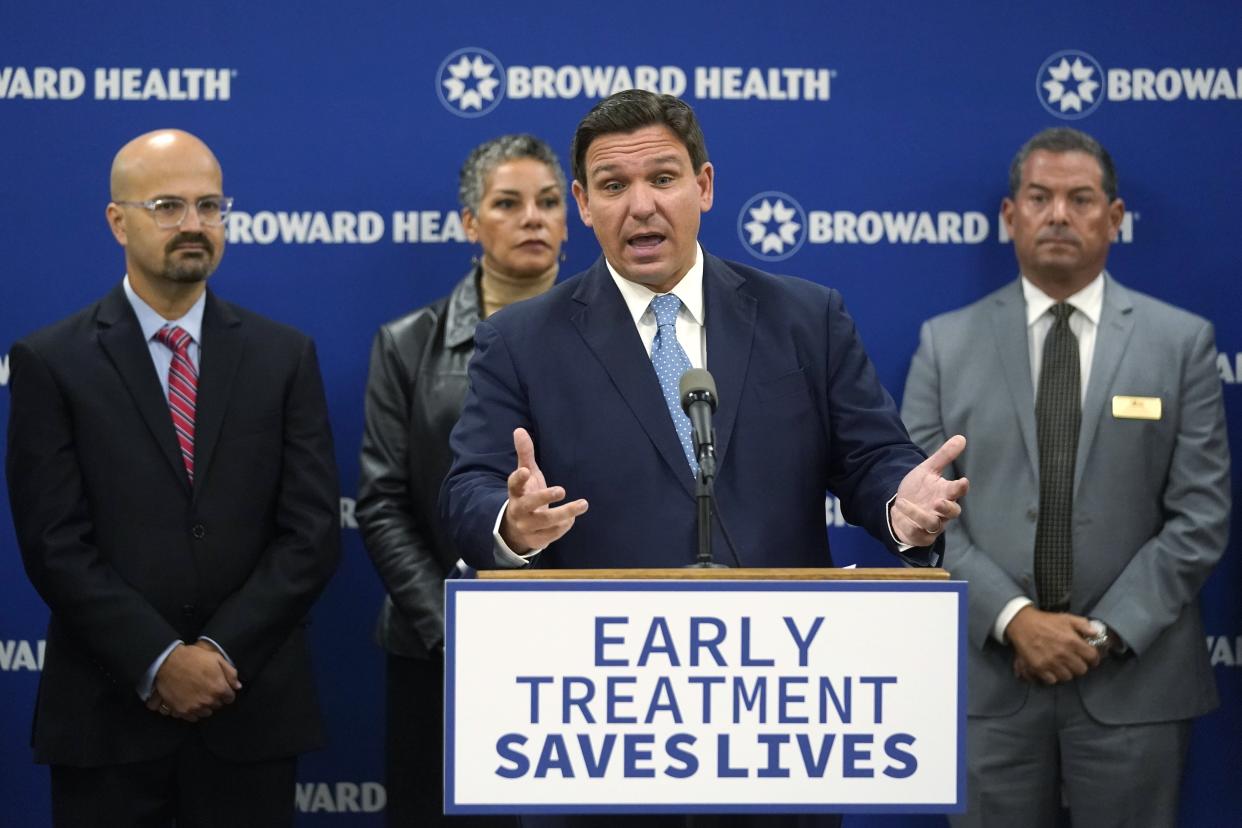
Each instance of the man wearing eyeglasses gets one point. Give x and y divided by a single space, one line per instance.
171 475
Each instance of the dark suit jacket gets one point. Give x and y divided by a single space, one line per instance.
800 412
130 558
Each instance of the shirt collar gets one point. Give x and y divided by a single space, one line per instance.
151 321
1089 301
689 290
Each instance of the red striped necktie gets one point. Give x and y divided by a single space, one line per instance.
182 390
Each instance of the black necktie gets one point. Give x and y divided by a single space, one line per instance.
1058 412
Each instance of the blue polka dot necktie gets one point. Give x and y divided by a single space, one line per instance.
670 362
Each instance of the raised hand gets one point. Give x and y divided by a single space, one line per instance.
925 500
531 521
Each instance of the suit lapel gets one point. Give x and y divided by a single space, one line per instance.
221 350
729 314
1111 338
605 324
121 338
1013 345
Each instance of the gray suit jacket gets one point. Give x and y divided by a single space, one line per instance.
1151 497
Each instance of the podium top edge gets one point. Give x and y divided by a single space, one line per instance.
720 574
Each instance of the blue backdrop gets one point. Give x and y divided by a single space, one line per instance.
862 145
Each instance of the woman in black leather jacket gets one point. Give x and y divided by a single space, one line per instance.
512 195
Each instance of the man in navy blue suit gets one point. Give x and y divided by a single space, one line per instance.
570 392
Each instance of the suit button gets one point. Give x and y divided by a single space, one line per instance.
1032 515
187 610
199 531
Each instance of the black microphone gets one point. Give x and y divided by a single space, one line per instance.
698 400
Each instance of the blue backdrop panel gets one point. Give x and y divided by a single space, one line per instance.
864 146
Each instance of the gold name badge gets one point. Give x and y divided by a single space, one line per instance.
1136 408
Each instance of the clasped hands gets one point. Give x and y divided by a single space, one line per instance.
193 682
1051 647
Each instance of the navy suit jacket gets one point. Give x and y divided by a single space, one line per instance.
800 412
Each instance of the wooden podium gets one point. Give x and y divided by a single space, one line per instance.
705 691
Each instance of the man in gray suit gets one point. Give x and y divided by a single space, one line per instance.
1099 504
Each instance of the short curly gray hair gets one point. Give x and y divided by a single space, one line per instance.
489 155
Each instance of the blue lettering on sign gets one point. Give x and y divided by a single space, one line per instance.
708 682
803 642
506 746
774 769
893 749
637 749
663 700
698 642
786 697
570 700
601 640
750 701
678 753
554 757
747 659
569 755
706 638
666 648
856 751
842 704
534 682
816 764
723 769
615 697
879 682
596 764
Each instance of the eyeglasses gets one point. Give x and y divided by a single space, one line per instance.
170 211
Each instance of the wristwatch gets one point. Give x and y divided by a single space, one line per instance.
1100 638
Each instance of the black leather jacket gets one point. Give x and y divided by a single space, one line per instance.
415 388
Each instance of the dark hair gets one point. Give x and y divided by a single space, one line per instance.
1064 139
489 155
632 110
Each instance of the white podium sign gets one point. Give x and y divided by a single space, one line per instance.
704 696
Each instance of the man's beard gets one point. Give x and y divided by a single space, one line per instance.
189 270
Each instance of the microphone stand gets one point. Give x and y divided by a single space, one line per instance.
703 494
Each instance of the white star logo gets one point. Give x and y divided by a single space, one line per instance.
771 225
467 70
786 230
1068 84
470 82
1084 87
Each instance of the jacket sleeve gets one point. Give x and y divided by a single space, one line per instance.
1166 573
477 485
871 450
401 550
305 547
118 626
